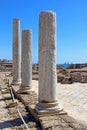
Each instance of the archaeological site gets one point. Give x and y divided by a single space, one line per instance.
44 95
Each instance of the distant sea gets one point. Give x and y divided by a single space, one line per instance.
65 64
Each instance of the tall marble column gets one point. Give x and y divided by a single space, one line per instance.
16 53
47 64
26 68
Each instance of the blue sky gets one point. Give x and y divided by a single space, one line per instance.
71 26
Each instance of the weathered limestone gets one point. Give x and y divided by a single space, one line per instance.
47 64
16 53
26 68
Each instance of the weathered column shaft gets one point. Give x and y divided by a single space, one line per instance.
47 57
16 52
26 59
47 62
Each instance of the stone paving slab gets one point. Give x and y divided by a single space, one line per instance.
73 98
48 122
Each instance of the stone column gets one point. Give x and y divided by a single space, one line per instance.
16 53
47 64
26 68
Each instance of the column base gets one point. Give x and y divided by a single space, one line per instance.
48 108
16 82
24 90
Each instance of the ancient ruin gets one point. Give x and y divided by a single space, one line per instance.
26 68
16 53
25 104
47 99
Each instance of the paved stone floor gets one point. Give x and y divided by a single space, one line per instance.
73 99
